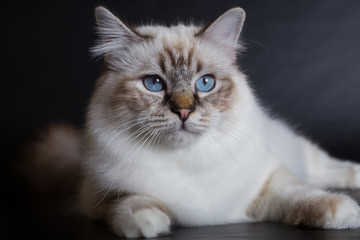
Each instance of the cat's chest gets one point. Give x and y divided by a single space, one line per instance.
206 189
164 173
196 173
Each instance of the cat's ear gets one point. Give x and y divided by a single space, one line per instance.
114 34
226 29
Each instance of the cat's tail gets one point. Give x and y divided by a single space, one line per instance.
51 162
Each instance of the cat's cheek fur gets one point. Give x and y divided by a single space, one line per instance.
135 97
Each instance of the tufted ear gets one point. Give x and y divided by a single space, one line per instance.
114 34
226 29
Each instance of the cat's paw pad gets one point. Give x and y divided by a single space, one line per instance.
146 222
346 214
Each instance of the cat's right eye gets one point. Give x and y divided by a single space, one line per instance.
154 83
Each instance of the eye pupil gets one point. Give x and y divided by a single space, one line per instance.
154 83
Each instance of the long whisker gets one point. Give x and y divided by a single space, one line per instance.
146 137
219 138
134 135
138 121
153 138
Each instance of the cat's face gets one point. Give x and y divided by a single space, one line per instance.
168 86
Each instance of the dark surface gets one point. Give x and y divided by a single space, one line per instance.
303 60
46 216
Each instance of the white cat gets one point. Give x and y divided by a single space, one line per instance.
174 135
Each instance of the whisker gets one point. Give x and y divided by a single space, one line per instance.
219 138
119 132
132 137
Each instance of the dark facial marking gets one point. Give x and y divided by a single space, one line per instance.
161 62
220 98
180 62
190 56
199 66
124 94
171 56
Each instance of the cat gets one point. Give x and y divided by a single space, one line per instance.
174 135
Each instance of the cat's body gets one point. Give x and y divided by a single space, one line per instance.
184 153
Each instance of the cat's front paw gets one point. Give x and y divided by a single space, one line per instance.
344 214
144 222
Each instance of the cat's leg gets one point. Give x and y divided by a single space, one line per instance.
284 199
325 171
130 215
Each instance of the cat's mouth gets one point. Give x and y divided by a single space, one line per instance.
185 127
181 134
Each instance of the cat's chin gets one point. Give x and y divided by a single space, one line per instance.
181 137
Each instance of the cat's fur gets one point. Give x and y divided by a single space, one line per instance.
229 162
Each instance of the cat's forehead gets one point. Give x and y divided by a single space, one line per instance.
180 49
174 35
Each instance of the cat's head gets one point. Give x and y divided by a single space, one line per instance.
167 85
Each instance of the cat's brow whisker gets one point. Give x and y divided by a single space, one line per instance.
258 43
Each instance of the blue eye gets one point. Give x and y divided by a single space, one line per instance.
154 83
205 83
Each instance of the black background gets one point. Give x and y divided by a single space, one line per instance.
303 60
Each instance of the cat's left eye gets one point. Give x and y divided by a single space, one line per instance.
205 84
154 83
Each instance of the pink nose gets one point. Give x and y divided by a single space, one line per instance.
184 113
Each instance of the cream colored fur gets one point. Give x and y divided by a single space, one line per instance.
240 165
